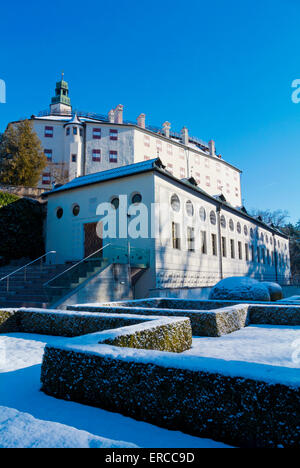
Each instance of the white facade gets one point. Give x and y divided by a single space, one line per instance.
236 244
102 142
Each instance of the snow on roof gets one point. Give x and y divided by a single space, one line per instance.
103 176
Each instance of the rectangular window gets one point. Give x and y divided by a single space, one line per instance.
181 153
268 256
182 173
170 167
240 250
247 252
258 255
96 155
191 239
207 179
197 160
48 132
272 258
74 130
176 236
219 184
214 244
203 242
232 250
68 131
74 157
113 134
113 156
206 162
46 178
252 253
159 145
197 177
169 149
48 154
224 250
263 254
147 141
97 133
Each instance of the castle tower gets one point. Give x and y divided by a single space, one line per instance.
74 131
61 103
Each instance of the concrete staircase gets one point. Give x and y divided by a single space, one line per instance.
30 291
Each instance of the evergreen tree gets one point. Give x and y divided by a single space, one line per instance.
21 156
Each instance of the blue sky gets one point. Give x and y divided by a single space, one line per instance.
223 69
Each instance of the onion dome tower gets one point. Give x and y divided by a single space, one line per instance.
61 103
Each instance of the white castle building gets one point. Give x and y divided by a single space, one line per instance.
197 231
79 143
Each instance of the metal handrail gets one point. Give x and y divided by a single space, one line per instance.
7 277
73 266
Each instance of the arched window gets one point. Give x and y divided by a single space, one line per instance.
136 198
59 212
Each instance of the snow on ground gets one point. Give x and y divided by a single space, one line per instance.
29 418
260 344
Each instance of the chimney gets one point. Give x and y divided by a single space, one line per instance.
119 114
111 116
185 136
141 120
212 148
166 129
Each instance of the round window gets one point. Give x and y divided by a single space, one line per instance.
136 198
223 221
115 203
189 208
231 225
202 214
59 212
175 203
212 217
238 227
76 210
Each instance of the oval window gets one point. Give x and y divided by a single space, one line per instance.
223 221
231 225
189 208
251 233
212 217
175 203
245 230
202 214
76 210
59 212
238 227
136 198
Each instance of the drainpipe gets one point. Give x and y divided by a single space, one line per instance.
220 242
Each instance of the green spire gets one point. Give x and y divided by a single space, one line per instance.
61 93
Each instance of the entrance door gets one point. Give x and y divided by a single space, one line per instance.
91 240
